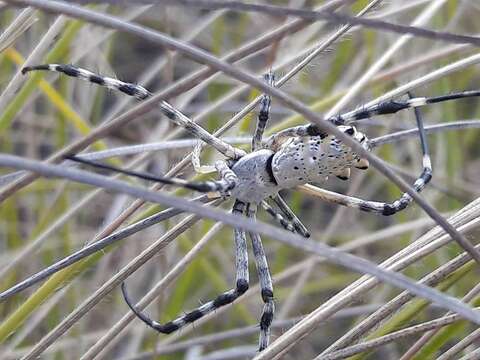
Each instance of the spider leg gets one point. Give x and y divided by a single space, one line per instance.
278 217
129 89
228 179
391 106
290 215
425 176
381 207
141 94
265 285
376 207
344 200
263 113
241 285
381 108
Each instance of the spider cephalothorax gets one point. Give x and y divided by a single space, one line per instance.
291 157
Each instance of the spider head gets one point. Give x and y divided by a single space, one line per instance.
362 139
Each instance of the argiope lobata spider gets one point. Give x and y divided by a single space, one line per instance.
289 158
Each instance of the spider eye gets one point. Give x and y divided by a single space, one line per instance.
350 131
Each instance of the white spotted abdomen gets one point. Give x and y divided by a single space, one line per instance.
313 159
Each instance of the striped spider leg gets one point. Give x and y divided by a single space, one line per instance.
263 114
241 286
290 215
266 286
141 93
381 108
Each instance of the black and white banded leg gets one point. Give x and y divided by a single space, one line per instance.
228 179
376 207
263 113
141 93
265 285
241 286
287 225
425 176
290 215
382 108
391 106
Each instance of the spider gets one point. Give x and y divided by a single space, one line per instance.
292 157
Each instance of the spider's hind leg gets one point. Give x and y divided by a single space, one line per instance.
241 286
419 184
265 285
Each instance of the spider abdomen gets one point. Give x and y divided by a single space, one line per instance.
255 178
311 159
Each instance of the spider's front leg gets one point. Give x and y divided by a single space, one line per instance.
228 179
241 286
141 93
263 114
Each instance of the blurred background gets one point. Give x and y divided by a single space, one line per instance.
42 113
